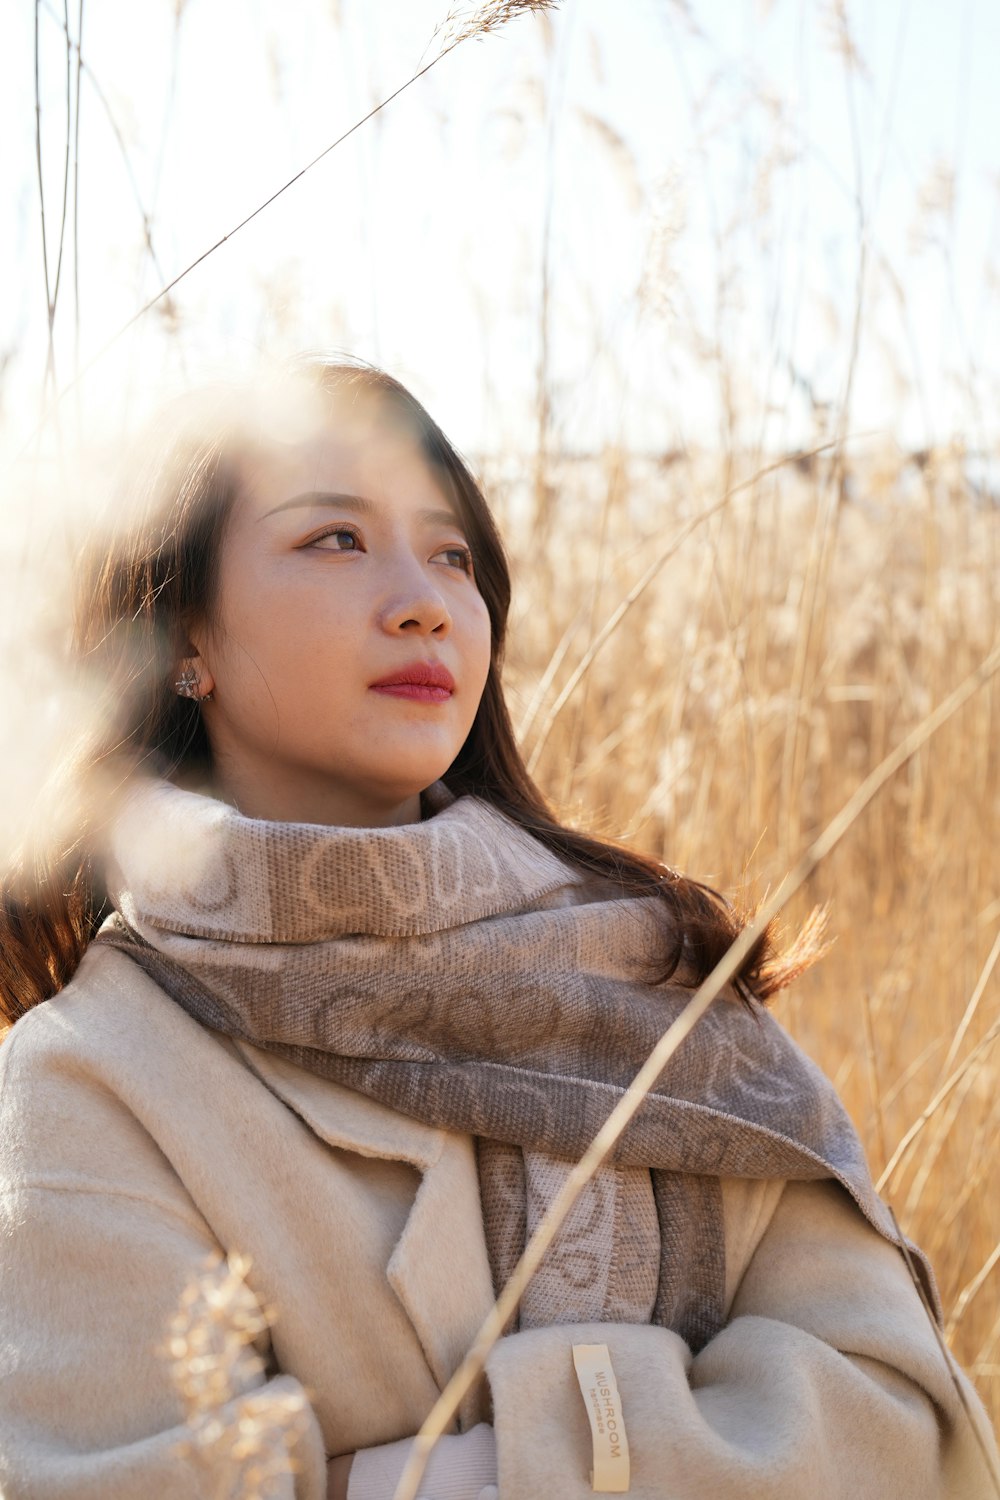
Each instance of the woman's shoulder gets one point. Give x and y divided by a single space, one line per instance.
92 1068
109 1014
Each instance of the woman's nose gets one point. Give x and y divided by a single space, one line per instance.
415 606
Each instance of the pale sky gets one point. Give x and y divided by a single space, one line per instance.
703 152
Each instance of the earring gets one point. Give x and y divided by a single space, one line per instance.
187 686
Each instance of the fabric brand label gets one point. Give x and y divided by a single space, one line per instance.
599 1388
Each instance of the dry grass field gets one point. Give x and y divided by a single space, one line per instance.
787 642
710 651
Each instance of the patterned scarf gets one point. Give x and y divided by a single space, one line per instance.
457 971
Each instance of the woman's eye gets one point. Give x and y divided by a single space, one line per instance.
346 539
458 557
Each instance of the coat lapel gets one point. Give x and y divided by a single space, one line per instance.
439 1269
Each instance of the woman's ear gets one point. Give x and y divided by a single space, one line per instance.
193 679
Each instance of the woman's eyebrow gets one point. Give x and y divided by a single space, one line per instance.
323 497
359 504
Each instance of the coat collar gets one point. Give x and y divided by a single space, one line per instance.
439 1268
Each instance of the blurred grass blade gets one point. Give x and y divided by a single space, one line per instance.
969 1291
973 1005
935 1104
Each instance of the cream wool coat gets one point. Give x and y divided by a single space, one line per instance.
137 1146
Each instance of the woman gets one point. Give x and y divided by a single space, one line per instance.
322 1002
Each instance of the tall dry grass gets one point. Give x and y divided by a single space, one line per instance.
785 645
702 731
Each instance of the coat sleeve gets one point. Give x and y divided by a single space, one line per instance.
826 1381
133 1362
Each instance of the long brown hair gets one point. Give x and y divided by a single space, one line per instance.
135 596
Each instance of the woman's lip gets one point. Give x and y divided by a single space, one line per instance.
421 692
428 674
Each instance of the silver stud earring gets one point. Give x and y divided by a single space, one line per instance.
187 686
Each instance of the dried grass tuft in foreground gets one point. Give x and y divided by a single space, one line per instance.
242 1438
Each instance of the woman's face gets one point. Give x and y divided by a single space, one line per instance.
344 571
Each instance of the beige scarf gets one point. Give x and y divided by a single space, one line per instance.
459 972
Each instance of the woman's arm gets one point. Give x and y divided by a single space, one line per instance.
123 1336
827 1381
101 1399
